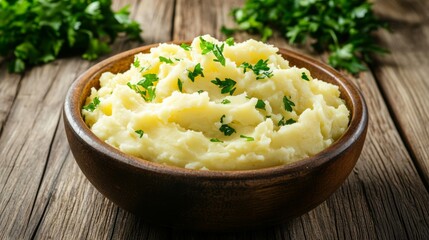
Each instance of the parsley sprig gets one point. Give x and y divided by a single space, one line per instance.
180 85
342 27
139 132
34 32
249 139
260 104
216 49
92 105
145 87
226 86
225 101
304 77
260 69
166 60
288 104
198 70
186 47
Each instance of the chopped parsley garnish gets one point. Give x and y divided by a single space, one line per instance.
92 105
217 50
200 91
249 139
245 66
288 104
166 60
179 84
185 46
227 85
221 118
260 104
230 41
225 128
304 76
216 140
260 69
145 87
198 70
282 122
136 63
139 132
225 101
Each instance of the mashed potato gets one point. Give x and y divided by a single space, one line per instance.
217 106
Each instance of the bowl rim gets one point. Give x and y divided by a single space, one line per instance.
357 126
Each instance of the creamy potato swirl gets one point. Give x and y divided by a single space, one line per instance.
216 105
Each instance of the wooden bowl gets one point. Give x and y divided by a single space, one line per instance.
213 200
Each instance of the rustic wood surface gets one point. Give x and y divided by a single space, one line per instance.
44 195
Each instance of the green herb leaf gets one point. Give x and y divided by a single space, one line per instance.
226 86
198 70
217 50
260 104
225 128
179 84
260 69
249 139
200 91
206 46
92 105
225 101
136 63
140 133
288 104
148 80
304 76
221 118
245 66
145 87
230 41
216 140
282 122
185 46
166 60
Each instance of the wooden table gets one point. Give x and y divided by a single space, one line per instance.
44 195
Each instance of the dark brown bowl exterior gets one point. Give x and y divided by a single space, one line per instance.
213 200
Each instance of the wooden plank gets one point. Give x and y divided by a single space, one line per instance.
27 140
9 85
199 17
403 74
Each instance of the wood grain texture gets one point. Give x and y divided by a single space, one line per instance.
44 195
403 75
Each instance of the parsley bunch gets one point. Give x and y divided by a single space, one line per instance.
38 31
342 27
